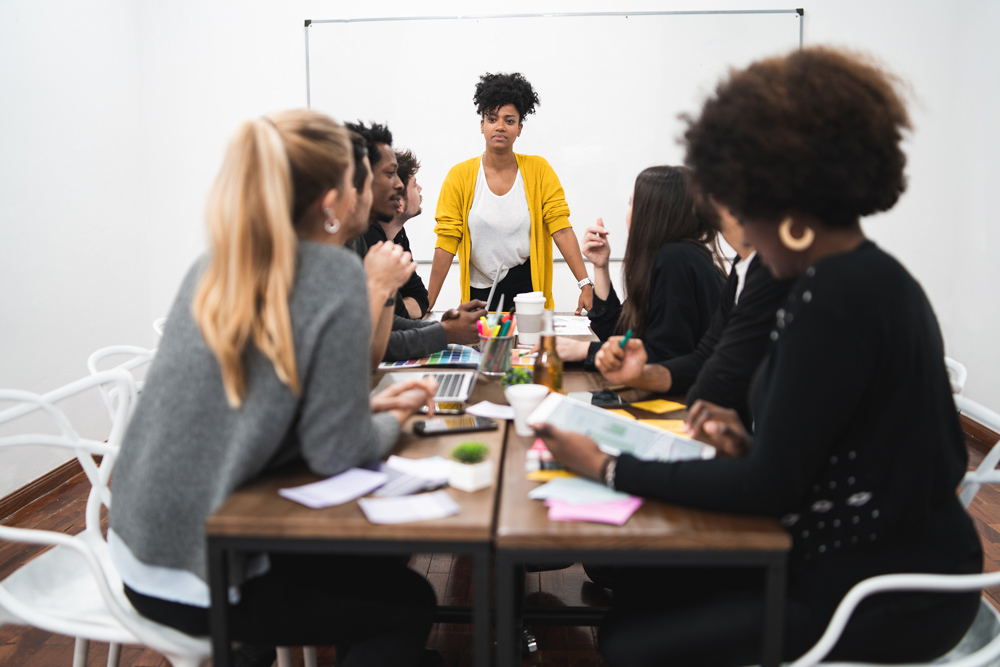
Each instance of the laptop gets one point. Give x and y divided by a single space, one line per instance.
454 386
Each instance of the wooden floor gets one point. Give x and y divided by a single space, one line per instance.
558 646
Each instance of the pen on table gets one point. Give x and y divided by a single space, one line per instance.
628 335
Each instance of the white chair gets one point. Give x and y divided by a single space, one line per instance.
158 324
73 588
957 374
129 358
981 644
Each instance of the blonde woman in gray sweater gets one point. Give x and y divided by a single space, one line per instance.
264 360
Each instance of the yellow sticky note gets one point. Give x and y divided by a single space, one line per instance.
547 475
672 425
659 406
623 413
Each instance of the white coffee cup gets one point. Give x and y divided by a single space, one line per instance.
524 398
529 307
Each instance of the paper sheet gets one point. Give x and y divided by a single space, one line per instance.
406 509
615 512
336 490
491 410
672 425
659 406
623 413
432 468
576 490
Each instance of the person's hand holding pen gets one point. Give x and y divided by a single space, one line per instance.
621 359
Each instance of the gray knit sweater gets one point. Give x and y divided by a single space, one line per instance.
186 450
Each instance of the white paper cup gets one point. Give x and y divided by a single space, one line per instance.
529 307
524 398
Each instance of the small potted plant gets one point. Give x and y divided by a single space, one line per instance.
471 469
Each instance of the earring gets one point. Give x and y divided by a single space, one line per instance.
800 244
331 224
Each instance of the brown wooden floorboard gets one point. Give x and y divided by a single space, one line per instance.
63 509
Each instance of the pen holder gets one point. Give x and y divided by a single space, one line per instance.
496 352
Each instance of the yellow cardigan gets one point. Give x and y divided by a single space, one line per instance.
546 203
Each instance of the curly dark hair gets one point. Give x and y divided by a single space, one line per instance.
408 167
360 151
817 131
373 136
496 90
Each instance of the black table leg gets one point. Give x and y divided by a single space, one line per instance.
218 576
774 611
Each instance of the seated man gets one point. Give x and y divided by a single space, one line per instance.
412 300
721 367
409 338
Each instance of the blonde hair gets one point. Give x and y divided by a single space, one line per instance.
275 170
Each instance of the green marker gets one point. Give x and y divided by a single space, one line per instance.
628 334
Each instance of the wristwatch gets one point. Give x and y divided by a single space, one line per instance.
586 281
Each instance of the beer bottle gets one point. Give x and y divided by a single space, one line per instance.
548 365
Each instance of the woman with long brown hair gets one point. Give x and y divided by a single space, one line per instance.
672 272
264 360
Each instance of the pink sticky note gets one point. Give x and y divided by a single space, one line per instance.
615 512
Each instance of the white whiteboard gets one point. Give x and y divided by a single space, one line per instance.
611 86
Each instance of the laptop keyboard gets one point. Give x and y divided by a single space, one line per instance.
448 384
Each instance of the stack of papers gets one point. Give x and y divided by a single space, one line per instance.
336 490
405 509
578 499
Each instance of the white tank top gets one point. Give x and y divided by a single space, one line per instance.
499 230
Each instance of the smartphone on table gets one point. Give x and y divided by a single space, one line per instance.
446 425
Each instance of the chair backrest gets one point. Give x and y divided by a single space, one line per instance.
27 403
957 374
129 358
986 472
158 324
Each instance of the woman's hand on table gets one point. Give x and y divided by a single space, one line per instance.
720 427
576 451
586 300
387 267
568 349
402 399
621 366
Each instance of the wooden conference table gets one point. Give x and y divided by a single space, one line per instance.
501 520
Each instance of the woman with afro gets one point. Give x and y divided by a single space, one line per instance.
501 211
856 445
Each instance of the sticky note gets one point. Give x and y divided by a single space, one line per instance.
547 475
623 413
659 406
672 425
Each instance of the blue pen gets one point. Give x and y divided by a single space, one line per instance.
628 334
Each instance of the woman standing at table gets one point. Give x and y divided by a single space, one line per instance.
264 360
857 446
672 271
501 211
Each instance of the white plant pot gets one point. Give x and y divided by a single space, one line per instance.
471 476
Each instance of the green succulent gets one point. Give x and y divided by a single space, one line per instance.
518 375
470 452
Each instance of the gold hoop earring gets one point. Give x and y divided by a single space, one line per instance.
800 244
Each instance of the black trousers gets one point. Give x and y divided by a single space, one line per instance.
517 281
375 610
695 616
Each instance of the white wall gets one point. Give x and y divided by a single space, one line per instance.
115 114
